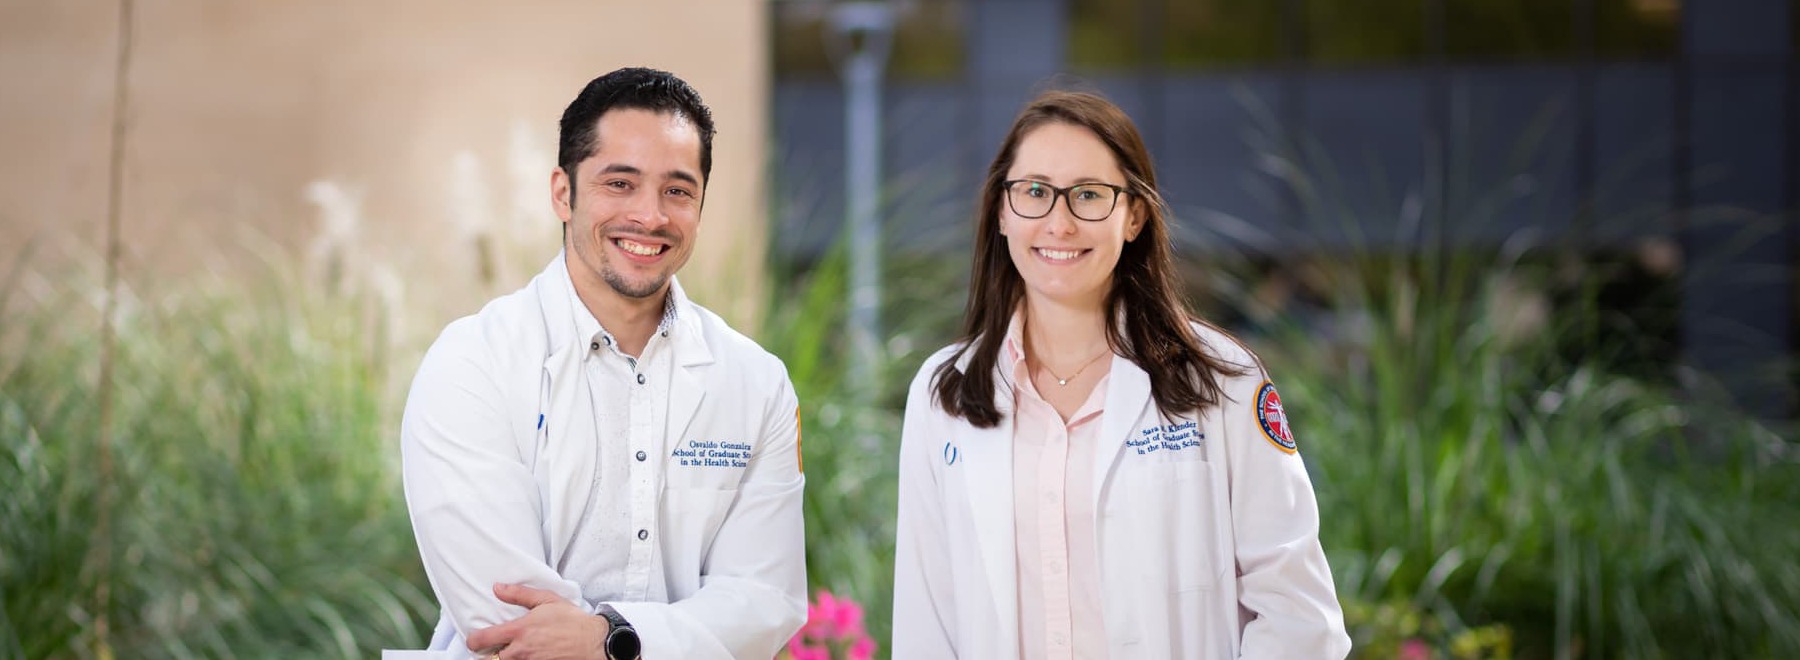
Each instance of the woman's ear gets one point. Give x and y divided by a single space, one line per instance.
1134 222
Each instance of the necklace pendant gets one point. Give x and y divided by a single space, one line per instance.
1062 381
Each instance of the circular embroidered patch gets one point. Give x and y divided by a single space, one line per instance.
1274 418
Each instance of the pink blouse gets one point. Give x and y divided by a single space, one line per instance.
1053 519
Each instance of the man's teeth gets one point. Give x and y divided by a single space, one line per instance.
639 248
1059 255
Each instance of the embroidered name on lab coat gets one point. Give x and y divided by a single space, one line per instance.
1172 438
710 454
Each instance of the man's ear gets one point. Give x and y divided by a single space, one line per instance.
562 192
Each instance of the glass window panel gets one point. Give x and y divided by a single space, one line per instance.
1365 32
799 39
928 42
1638 29
1106 35
928 39
1202 34
1487 30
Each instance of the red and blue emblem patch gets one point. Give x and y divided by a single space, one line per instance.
1274 418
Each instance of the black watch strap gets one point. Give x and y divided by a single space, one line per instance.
621 639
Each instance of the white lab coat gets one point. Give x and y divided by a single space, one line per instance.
495 499
1208 535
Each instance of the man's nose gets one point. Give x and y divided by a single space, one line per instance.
645 208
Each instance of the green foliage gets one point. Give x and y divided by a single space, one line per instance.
1397 629
1486 447
253 508
851 431
1492 480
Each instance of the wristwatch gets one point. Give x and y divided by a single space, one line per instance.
622 640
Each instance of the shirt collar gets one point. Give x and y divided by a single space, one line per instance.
1015 343
589 330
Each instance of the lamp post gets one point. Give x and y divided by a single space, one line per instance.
858 39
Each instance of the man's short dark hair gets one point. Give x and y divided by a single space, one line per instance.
636 88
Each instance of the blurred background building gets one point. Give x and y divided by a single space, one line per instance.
1657 136
407 142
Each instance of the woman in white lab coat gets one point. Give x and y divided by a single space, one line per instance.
1091 472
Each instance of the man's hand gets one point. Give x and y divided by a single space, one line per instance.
552 630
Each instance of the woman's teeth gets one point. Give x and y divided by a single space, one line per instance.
1059 255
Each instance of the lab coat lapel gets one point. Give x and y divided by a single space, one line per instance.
986 457
568 441
1127 395
692 359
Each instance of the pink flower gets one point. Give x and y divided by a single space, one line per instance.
847 618
821 616
1414 649
833 625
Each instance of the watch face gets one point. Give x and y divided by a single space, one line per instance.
622 644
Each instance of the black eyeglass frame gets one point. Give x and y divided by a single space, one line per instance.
1006 191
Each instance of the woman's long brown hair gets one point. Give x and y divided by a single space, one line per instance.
1148 321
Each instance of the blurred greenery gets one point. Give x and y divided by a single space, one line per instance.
1492 443
254 508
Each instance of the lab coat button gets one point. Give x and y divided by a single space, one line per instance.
640 379
594 346
641 456
643 535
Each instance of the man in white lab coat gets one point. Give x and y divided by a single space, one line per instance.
595 466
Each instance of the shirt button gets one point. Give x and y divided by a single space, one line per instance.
641 456
594 346
665 333
607 339
643 535
640 379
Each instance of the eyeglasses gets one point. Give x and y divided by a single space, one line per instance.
1092 202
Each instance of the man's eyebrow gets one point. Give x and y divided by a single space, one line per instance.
619 168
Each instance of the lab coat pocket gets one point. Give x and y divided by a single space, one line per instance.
1195 530
695 513
1160 515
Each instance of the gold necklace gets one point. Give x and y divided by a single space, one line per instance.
1065 381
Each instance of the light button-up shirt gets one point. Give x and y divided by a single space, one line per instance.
1053 517
614 554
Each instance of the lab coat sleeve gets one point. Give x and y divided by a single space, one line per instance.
475 507
924 604
752 597
1283 579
